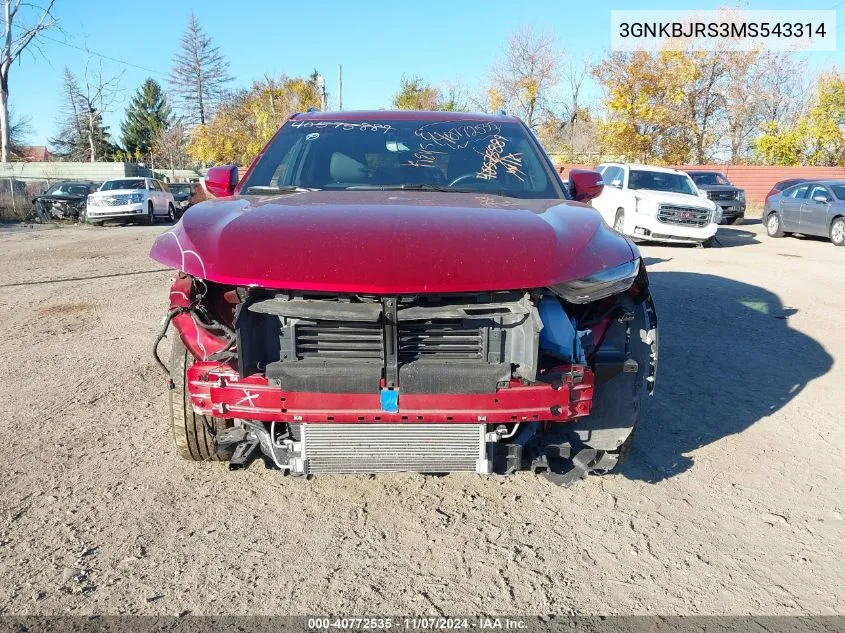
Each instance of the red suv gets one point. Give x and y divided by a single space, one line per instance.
406 291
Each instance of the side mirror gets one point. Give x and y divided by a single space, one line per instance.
821 198
221 181
585 184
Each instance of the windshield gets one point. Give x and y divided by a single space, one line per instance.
661 181
471 155
134 183
711 178
68 189
180 189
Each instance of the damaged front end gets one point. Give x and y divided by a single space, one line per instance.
543 379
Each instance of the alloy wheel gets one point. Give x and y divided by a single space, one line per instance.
837 232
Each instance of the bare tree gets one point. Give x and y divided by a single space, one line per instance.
11 49
98 96
527 74
170 147
199 73
82 135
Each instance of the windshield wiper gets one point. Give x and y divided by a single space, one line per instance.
423 187
273 191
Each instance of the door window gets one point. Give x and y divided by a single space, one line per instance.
798 193
819 191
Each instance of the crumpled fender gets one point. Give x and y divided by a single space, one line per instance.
201 343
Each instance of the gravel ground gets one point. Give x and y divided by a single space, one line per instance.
732 501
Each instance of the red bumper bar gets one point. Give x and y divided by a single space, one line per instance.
217 390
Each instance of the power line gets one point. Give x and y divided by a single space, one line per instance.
107 57
42 35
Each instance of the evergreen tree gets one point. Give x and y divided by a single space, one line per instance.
199 74
147 115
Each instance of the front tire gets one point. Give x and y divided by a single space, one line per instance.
171 212
837 232
774 227
708 243
738 220
151 218
192 433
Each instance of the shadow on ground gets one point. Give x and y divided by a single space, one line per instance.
728 237
728 358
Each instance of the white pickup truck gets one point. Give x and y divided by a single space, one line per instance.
130 199
656 203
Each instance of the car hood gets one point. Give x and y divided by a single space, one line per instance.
391 242
61 197
114 192
669 197
717 187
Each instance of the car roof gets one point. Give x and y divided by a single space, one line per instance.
404 115
665 170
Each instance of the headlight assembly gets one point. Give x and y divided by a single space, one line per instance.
644 206
717 214
599 285
136 197
740 195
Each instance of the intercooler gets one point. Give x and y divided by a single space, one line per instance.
372 448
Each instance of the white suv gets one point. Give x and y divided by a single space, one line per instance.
656 203
133 199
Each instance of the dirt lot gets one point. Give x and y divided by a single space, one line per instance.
732 502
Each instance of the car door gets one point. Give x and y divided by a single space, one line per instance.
609 200
790 206
815 211
160 198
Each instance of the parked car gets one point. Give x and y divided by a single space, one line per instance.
63 200
656 203
809 208
183 196
406 291
130 199
720 190
784 184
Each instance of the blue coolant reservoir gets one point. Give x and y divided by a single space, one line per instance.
559 335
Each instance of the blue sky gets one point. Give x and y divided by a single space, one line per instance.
376 42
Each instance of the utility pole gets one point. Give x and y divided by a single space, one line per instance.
339 87
321 88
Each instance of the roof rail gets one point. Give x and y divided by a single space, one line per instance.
313 109
502 111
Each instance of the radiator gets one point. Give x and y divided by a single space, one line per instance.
372 448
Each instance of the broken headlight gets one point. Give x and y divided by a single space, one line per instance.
599 285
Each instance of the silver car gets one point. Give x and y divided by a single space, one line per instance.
809 208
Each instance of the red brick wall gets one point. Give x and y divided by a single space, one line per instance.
756 180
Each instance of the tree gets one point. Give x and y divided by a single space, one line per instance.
528 73
815 138
199 74
246 120
82 135
644 98
170 147
147 116
12 48
415 94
